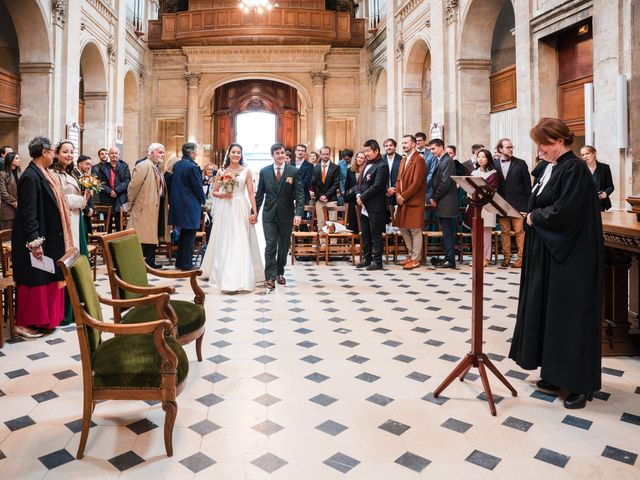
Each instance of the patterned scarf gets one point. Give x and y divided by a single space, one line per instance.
65 218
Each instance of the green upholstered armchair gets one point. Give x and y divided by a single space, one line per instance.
128 277
142 361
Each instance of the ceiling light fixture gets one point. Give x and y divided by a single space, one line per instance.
258 6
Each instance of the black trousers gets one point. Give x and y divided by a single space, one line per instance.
278 241
372 228
184 254
149 252
447 225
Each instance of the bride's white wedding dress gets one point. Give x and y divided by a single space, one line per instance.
232 261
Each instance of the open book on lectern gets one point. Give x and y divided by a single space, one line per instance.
496 205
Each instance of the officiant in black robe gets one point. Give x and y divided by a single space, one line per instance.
559 312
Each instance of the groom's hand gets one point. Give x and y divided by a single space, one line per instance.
253 218
297 220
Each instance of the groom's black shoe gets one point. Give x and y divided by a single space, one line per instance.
281 280
270 284
374 266
363 264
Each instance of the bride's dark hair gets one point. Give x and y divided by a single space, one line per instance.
227 159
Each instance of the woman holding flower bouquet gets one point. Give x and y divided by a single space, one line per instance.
232 260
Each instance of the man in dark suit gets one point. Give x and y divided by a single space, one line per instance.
445 201
471 164
515 187
115 176
325 183
306 170
280 190
393 161
372 199
187 198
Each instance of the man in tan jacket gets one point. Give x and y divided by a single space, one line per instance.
146 193
411 187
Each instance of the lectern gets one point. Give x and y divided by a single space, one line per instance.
480 194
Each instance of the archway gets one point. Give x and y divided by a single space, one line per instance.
475 64
416 93
131 135
9 80
93 101
256 131
267 96
378 125
25 29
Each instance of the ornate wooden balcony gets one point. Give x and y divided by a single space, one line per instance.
280 26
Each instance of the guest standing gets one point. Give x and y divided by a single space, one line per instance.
352 186
411 187
515 188
187 198
345 161
115 175
146 192
9 190
601 174
559 312
485 169
313 158
445 201
393 160
326 184
84 170
306 170
41 228
372 199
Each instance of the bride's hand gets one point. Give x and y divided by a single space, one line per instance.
253 218
226 195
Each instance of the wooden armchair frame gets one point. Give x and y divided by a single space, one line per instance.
7 289
345 243
116 283
306 244
164 325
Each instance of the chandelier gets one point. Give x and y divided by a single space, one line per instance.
258 6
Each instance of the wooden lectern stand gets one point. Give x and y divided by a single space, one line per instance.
480 194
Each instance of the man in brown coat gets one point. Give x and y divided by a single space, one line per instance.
411 188
146 193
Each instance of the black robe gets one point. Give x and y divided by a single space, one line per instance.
559 312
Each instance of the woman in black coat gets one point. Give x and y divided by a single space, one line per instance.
351 185
558 325
42 230
601 176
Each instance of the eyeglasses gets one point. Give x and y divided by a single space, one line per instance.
510 147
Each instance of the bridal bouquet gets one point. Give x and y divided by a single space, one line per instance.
228 180
90 183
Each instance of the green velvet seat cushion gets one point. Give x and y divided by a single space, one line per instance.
132 361
129 262
190 316
86 289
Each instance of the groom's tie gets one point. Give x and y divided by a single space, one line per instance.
278 174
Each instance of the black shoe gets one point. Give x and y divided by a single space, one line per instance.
363 264
155 266
544 385
437 261
575 401
374 266
446 264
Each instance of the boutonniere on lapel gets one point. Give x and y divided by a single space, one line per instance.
289 180
368 177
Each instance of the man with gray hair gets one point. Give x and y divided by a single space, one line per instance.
147 193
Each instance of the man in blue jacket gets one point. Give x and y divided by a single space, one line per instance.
187 198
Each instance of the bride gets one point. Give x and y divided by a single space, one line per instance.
232 261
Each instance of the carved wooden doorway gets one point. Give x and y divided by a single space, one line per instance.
236 98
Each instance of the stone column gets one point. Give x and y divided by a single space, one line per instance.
36 99
318 77
193 81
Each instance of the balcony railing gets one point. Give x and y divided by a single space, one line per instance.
231 26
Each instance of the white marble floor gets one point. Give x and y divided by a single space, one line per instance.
329 377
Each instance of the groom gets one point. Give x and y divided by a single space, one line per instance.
279 187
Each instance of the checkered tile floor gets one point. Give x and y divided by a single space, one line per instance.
329 377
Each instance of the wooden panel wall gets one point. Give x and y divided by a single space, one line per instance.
9 93
503 89
171 133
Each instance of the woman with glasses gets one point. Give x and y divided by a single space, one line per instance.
42 232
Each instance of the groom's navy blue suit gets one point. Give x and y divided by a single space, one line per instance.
282 201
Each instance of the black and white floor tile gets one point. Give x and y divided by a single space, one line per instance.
329 377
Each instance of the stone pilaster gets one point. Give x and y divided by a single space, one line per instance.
318 78
193 83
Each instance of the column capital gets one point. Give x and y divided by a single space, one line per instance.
450 11
192 78
318 77
59 10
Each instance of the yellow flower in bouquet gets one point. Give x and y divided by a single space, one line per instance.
228 180
90 183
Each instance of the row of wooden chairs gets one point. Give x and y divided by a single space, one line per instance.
7 287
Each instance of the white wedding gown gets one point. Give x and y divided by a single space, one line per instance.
232 261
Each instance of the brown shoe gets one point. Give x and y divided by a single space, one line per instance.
517 263
270 284
281 280
506 262
410 265
405 261
486 263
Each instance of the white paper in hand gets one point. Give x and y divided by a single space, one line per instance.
45 264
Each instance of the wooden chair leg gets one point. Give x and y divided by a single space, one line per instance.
171 410
12 313
87 409
199 346
2 319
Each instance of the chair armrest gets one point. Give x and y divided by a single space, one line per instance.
193 275
160 300
143 290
